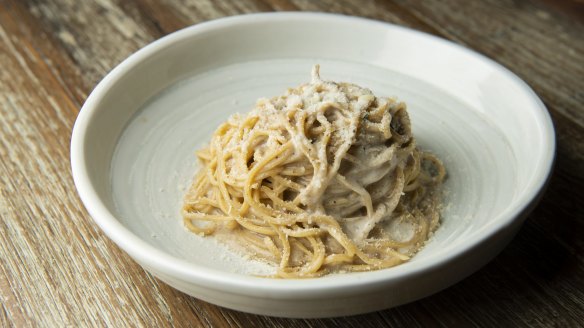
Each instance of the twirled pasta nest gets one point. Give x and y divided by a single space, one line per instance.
326 178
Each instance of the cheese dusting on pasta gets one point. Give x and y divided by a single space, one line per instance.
325 178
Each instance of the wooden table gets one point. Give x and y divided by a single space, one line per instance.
58 268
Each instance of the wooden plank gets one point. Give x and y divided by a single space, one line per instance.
58 269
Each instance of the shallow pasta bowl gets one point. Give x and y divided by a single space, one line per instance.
133 144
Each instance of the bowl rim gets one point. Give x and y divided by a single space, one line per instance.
153 258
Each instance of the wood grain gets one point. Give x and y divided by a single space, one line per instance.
57 267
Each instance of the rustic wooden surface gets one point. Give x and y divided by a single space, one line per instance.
58 268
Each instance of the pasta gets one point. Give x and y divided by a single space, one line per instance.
326 178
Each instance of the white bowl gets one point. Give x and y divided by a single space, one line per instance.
133 146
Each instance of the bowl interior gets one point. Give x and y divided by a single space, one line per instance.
150 115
